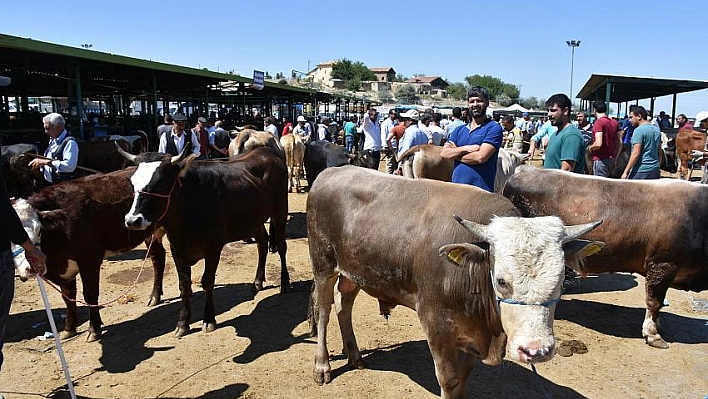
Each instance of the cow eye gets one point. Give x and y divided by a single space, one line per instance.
501 283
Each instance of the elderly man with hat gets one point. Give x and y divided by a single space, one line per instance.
475 146
174 142
202 133
302 129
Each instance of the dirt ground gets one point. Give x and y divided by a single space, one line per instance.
261 347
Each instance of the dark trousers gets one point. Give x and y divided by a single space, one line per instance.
7 291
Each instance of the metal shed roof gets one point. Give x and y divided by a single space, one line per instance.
629 88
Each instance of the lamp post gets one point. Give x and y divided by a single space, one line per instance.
572 44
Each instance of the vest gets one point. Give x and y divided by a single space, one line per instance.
172 148
58 177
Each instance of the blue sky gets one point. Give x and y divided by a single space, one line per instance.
520 42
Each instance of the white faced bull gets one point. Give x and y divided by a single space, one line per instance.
527 258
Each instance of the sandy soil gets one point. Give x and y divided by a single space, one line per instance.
261 349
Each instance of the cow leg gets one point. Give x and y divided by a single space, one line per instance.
90 282
261 237
278 220
321 307
343 303
658 279
451 365
184 274
157 257
68 294
211 262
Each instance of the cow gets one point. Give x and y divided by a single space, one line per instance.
137 143
424 162
248 139
448 274
20 182
203 205
687 140
664 244
294 150
322 154
102 156
81 223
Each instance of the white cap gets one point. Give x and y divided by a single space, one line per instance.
410 114
699 117
301 119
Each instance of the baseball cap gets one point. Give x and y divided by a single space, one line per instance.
301 119
699 117
202 119
410 114
525 114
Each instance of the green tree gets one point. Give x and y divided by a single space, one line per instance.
406 94
495 86
347 70
385 96
400 77
279 75
353 84
457 90
504 100
528 102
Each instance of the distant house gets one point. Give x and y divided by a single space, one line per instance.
385 74
428 84
322 74
375 86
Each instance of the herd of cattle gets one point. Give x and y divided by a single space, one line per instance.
484 271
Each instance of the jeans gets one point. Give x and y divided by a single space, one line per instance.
7 291
349 143
602 167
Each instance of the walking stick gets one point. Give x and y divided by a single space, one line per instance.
57 341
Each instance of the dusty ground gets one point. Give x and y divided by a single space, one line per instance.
261 348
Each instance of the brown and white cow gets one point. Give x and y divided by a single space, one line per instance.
82 223
687 140
667 245
203 205
294 155
424 162
500 275
248 139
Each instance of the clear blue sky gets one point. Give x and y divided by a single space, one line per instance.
520 42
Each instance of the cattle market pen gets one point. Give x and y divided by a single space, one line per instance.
130 94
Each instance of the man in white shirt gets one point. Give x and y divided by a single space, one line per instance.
61 156
178 138
386 126
271 128
372 134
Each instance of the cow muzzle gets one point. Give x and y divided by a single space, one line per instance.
136 222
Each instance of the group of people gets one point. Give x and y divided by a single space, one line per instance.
208 141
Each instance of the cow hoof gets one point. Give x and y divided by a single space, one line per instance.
323 377
657 342
67 334
181 331
357 364
258 285
154 301
284 287
208 327
93 336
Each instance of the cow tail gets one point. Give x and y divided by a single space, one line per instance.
313 311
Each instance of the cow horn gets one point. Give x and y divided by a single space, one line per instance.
176 158
130 157
573 232
477 229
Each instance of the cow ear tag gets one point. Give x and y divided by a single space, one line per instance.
591 249
455 255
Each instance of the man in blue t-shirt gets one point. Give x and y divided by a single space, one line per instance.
475 146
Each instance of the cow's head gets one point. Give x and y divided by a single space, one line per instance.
527 259
154 182
30 222
364 159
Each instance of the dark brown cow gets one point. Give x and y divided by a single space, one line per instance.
385 235
688 139
667 245
103 156
206 204
82 223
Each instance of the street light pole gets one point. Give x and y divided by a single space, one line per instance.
572 44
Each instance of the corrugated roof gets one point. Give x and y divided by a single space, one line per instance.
628 88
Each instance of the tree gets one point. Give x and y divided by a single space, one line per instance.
385 96
457 90
400 78
279 75
267 75
495 86
504 100
406 94
347 70
353 84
